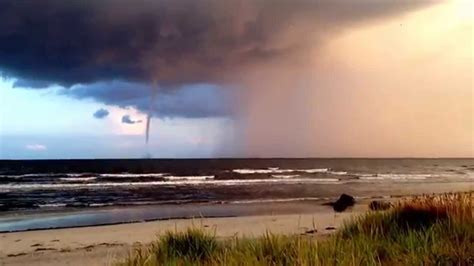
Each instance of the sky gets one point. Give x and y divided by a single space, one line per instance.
305 78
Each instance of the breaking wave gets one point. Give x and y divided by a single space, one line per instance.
276 170
129 175
394 176
190 178
338 172
170 180
78 179
285 176
262 171
312 171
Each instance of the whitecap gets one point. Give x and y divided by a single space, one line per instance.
52 205
312 171
175 178
78 179
262 171
394 176
126 175
276 170
338 172
285 176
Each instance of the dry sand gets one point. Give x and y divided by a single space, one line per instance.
102 245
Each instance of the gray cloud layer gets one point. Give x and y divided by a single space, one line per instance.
189 101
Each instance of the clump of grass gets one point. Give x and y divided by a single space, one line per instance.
432 230
270 249
418 213
192 245
426 229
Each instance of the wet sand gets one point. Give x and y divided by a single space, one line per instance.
102 245
21 221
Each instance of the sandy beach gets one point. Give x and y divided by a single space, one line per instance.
101 245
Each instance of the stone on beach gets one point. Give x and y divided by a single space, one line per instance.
345 201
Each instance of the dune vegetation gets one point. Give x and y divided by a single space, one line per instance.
425 230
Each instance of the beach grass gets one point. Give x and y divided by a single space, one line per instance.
425 230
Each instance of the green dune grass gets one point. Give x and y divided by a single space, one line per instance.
427 230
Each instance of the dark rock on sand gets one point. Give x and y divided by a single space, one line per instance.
330 228
345 201
379 205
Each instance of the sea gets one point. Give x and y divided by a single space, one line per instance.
41 194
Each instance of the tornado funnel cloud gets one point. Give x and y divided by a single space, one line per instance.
148 119
150 113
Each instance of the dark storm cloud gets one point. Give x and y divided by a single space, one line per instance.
111 50
126 119
175 42
101 113
195 101
30 83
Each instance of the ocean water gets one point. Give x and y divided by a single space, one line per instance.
45 186
94 183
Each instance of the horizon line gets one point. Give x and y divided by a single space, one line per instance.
248 158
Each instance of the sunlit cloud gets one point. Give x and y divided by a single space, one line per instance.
36 147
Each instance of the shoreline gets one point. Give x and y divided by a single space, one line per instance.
151 213
100 245
33 220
